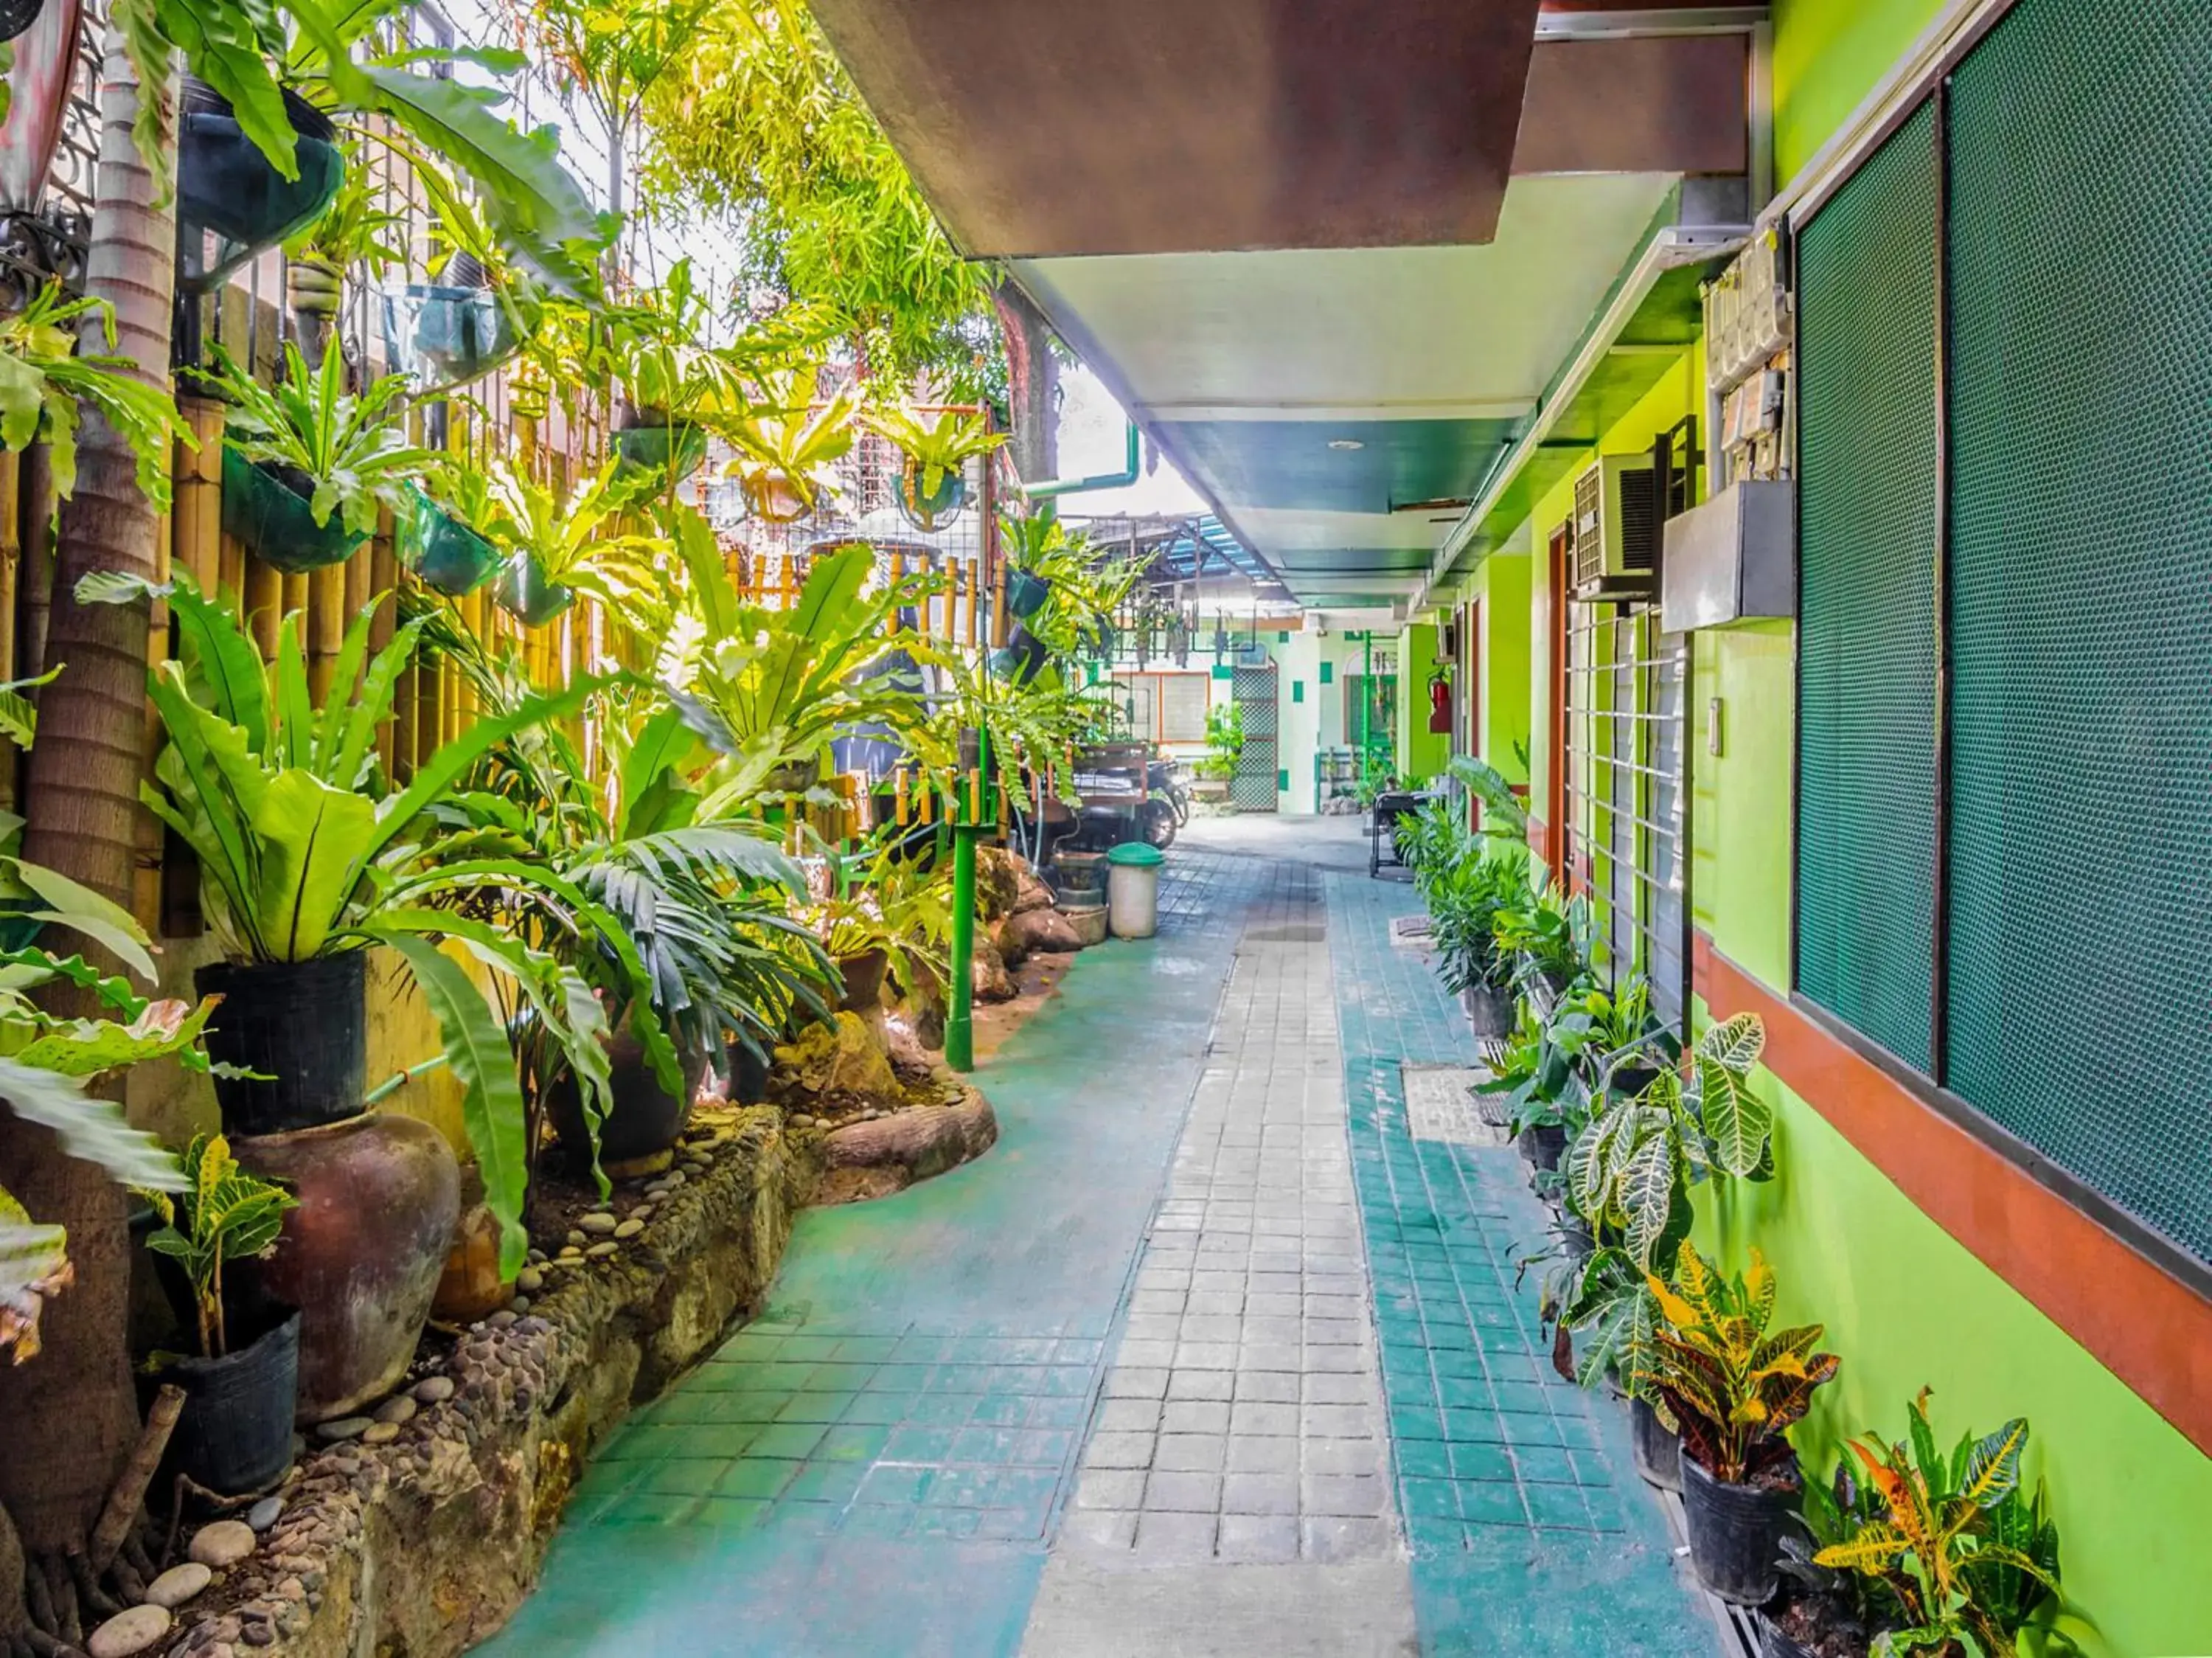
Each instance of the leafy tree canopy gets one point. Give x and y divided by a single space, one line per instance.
760 127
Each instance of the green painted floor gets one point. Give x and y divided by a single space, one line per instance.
876 1464
882 1462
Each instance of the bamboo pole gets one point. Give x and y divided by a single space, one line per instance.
11 558
326 626
265 600
198 540
35 586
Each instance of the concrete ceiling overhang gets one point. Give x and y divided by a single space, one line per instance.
1289 237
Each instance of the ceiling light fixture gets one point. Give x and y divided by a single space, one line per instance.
1346 444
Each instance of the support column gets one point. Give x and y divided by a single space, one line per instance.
960 989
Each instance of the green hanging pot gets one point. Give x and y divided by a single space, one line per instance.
527 594
232 203
267 507
677 448
1026 593
933 511
442 550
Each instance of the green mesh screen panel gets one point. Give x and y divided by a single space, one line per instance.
2081 987
1866 443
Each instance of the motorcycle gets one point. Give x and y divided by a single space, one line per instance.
1167 802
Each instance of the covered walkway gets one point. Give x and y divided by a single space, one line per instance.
1216 1353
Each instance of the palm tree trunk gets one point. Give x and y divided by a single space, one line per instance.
74 1404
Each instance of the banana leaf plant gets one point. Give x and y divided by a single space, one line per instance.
307 848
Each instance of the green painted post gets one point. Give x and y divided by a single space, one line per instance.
959 1013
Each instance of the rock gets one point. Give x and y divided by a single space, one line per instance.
1043 930
870 1159
847 1057
398 1408
576 1238
506 1316
380 1433
128 1632
265 1514
599 1221
433 1390
529 1280
518 1306
643 1212
13 1613
600 1207
180 1584
998 882
693 1168
569 1255
599 1252
226 1542
629 1229
989 977
537 1257
345 1428
803 1120
1031 894
673 1180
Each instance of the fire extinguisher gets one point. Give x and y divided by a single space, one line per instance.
1440 709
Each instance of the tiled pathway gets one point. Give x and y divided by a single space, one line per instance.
1304 1394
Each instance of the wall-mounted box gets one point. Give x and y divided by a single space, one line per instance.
1733 559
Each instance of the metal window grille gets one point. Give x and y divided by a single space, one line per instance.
1624 832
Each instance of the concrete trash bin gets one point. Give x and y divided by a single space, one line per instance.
1133 890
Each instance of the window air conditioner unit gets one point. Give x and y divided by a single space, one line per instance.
1617 530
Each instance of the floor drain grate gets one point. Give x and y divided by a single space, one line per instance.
1440 1106
1739 1632
1412 932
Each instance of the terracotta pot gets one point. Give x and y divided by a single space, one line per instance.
863 976
379 1196
470 1286
644 1123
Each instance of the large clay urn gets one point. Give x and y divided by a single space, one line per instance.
379 1196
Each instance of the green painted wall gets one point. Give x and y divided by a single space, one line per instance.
1828 55
1740 832
1907 1308
1504 588
1420 754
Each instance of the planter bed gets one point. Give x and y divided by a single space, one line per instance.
424 1528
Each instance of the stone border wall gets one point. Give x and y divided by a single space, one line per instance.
420 1546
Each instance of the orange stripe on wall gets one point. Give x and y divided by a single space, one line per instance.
2148 1327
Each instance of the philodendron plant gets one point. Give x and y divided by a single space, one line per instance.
307 850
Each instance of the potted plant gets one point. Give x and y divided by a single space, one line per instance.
788 445
306 462
1225 747
234 1435
1962 1555
445 535
1040 554
556 541
1549 938
1732 1390
475 311
933 481
1468 893
307 858
47 367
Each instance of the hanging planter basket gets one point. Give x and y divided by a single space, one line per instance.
936 509
267 508
774 499
1026 593
527 594
231 203
1020 658
444 553
675 447
441 336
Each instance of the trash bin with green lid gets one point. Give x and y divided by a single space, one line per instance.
1133 890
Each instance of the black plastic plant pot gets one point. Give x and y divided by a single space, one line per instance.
748 1075
269 512
17 15
1026 593
1658 1452
931 511
231 202
525 592
443 551
1542 1147
677 449
1773 1643
441 336
1020 658
1735 1533
235 1433
300 1024
1490 1010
